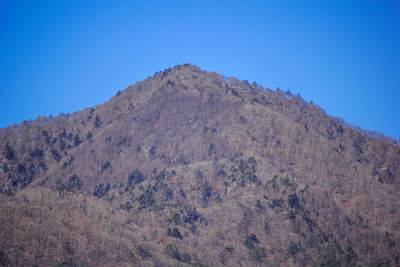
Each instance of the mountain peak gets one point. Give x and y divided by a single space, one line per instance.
183 68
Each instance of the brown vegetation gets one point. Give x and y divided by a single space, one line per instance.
191 168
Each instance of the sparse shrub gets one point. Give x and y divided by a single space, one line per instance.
389 240
175 218
127 206
77 140
210 149
56 155
100 191
136 177
206 191
74 183
89 136
9 151
146 199
9 192
123 141
161 175
273 183
285 181
6 168
38 153
288 183
105 166
197 264
43 165
172 251
131 256
293 248
221 172
68 249
63 134
97 122
167 193
250 241
351 258
257 254
182 160
68 162
3 259
60 188
266 227
230 249
142 252
259 206
198 174
48 140
245 172
21 168
186 257
333 255
293 201
32 168
314 241
291 215
380 264
276 203
191 216
174 232
66 262
153 150
62 144
310 223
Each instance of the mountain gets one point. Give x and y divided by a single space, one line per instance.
189 167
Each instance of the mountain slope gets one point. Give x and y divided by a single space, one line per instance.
215 171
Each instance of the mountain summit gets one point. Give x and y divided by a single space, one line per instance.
189 167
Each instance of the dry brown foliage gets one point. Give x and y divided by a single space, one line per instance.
187 168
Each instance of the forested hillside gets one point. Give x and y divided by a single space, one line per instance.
190 168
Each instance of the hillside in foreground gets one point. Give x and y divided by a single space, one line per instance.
192 168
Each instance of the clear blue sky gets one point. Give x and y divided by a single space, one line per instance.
63 56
